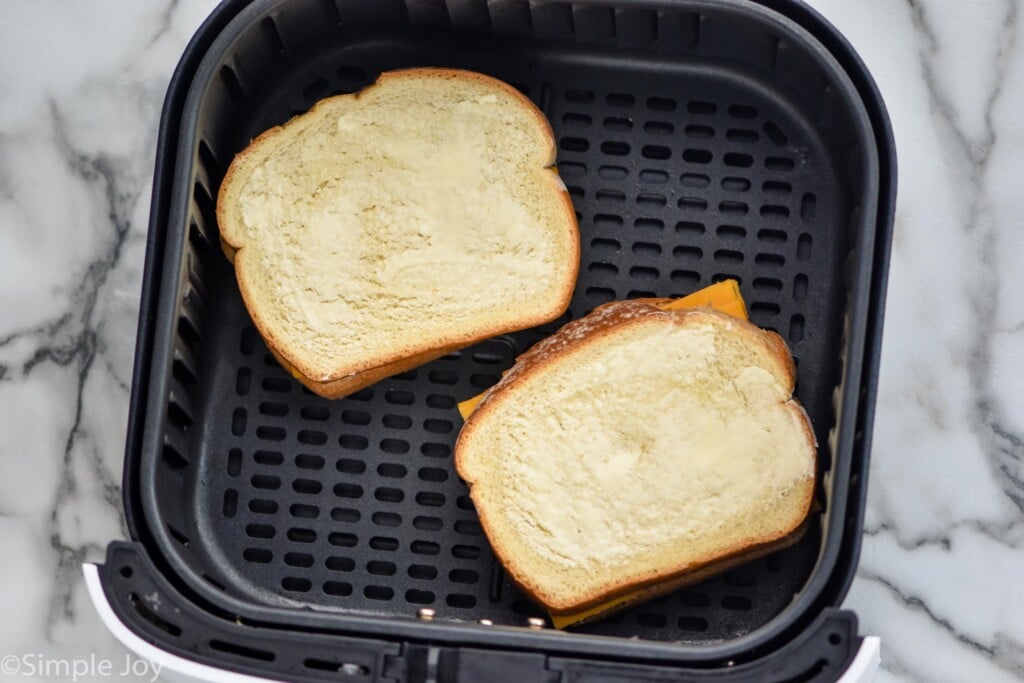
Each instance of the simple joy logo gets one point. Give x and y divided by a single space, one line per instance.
36 665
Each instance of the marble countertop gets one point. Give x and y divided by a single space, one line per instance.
941 571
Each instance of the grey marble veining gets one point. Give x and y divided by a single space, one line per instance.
83 84
943 555
943 543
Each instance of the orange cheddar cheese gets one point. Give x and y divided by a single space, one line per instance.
722 296
560 621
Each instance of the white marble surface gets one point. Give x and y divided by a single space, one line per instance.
942 571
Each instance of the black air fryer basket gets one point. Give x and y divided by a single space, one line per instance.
297 538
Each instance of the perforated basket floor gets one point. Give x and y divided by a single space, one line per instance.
688 161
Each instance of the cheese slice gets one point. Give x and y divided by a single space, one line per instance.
723 296
562 620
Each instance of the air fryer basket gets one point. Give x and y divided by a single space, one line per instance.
699 140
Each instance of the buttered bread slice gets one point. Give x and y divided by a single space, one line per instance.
638 449
386 228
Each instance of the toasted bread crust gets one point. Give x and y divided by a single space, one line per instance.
600 323
345 380
349 385
689 578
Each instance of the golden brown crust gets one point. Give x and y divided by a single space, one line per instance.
780 350
349 385
343 381
229 251
689 578
601 322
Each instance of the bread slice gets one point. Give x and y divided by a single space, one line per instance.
386 228
639 447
